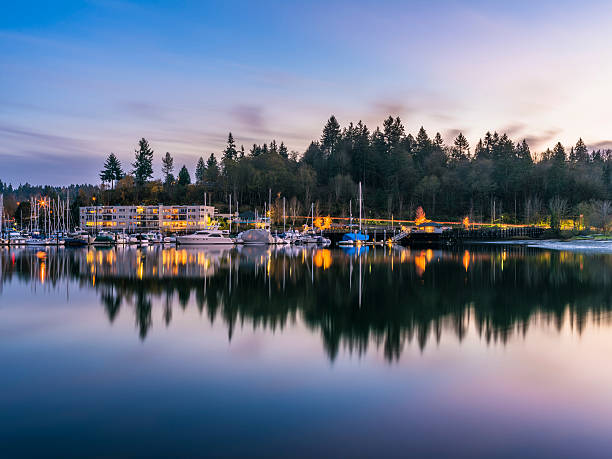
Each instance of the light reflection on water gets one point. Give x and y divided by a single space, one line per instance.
370 351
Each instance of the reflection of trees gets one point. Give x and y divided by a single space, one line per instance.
500 292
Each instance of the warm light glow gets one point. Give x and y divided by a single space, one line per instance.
323 258
420 216
466 260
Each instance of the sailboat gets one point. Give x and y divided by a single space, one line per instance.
355 237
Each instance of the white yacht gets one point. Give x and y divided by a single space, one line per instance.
206 237
14 238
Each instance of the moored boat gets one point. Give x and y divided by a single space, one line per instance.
255 237
211 236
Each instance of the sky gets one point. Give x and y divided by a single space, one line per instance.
81 79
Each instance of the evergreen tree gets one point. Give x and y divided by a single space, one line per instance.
112 172
143 164
422 147
523 152
558 153
230 153
438 143
330 136
184 178
273 147
212 169
200 171
168 168
581 153
282 150
461 148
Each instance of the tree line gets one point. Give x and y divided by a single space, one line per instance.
497 180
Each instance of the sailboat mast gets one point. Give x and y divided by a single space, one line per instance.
312 210
360 204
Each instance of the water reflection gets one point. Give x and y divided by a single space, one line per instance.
354 298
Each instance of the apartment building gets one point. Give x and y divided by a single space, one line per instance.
168 219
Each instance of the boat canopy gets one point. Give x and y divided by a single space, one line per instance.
355 237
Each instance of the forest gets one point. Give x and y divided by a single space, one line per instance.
498 180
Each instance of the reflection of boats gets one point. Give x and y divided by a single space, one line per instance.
355 250
255 237
206 237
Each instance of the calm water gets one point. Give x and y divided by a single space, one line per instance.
493 352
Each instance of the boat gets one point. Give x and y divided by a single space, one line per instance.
355 237
154 238
14 238
75 242
39 241
104 239
138 239
211 236
255 237
170 240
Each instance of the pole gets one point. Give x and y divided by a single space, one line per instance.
360 199
230 212
284 216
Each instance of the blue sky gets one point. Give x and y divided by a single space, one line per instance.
81 79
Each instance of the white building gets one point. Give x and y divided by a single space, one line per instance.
168 219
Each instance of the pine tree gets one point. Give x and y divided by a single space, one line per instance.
143 164
461 148
200 171
282 150
212 169
438 143
168 168
273 147
558 152
112 170
230 153
184 178
331 135
581 153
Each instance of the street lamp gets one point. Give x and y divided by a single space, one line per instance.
93 198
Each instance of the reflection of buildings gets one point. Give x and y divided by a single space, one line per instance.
147 218
153 262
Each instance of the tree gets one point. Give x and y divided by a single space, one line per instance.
143 164
184 178
581 153
200 171
212 169
557 207
461 148
558 152
331 135
282 150
230 153
112 170
168 168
